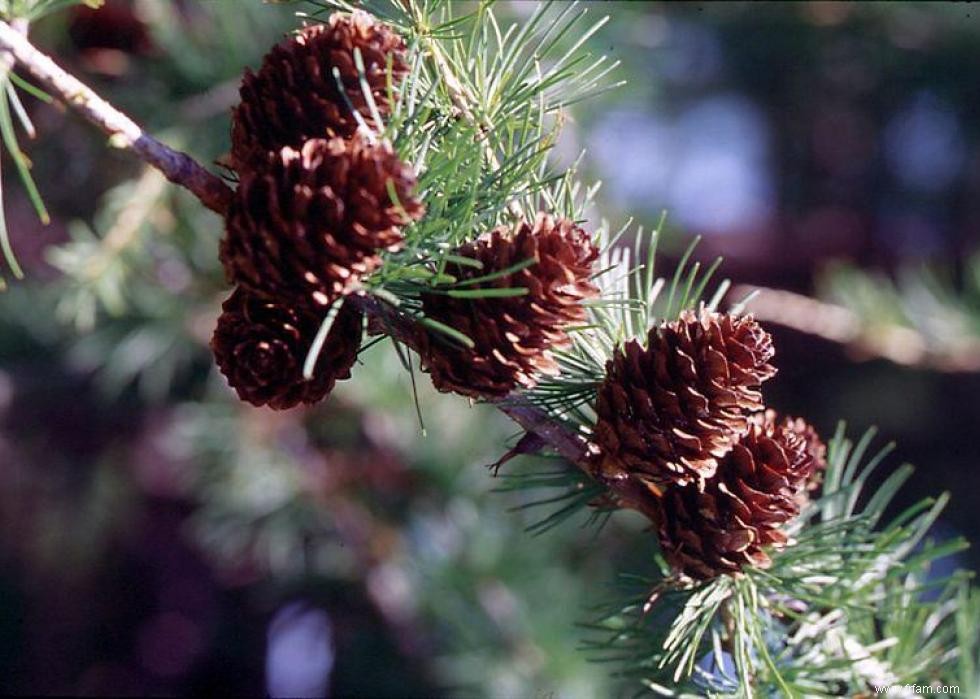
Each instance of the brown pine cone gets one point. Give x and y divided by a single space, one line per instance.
261 347
742 509
666 413
295 95
817 450
513 337
312 223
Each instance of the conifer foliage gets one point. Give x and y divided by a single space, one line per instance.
680 431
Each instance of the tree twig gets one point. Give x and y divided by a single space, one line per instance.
123 132
7 59
567 443
887 340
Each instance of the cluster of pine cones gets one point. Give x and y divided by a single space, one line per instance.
314 210
683 436
682 432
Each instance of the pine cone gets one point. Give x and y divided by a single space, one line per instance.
741 510
295 95
513 337
308 226
817 450
666 413
261 347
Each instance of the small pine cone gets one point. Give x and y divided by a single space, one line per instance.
308 226
512 336
295 95
817 450
668 412
742 509
261 347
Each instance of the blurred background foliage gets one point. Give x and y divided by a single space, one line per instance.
157 535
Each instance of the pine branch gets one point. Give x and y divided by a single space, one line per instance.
888 340
123 132
569 444
7 59
840 606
